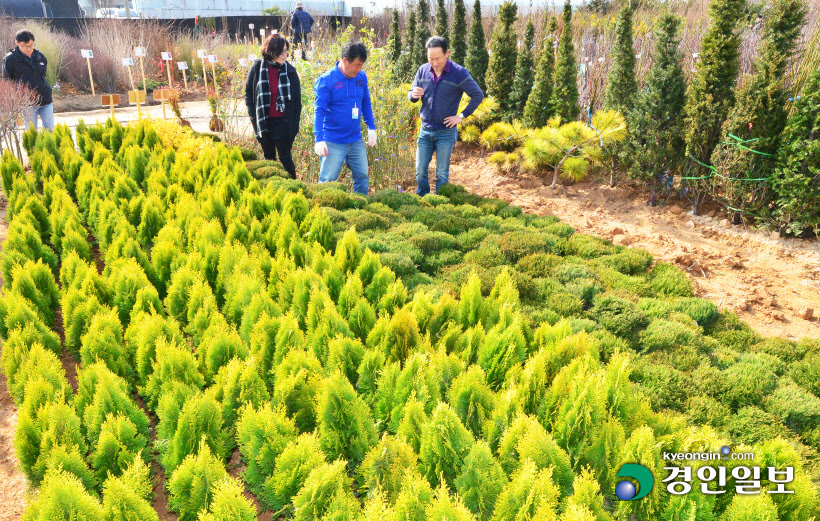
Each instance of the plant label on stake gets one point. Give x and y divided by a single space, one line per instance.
140 52
183 66
202 55
166 56
128 63
212 60
88 54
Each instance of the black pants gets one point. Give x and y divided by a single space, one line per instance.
304 39
284 148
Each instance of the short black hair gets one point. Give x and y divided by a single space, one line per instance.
274 45
351 51
437 41
24 36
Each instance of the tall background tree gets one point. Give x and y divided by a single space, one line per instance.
655 143
621 85
442 24
423 18
394 41
539 107
566 72
758 117
503 55
408 58
711 95
522 85
458 42
477 56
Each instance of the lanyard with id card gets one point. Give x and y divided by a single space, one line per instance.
355 112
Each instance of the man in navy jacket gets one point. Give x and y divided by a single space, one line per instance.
439 84
28 65
302 24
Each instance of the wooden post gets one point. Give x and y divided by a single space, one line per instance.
140 51
201 54
167 57
111 100
212 59
88 54
162 95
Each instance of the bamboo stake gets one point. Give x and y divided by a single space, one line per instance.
90 76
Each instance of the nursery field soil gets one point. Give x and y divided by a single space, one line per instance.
772 283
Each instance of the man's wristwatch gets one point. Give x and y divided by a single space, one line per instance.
461 115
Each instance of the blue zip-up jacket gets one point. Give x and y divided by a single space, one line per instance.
336 96
441 99
301 21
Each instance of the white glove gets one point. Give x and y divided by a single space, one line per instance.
371 137
320 148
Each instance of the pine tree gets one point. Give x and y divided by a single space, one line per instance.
655 143
794 180
423 17
394 41
478 58
442 24
711 94
523 83
539 106
458 42
759 115
621 85
503 57
566 88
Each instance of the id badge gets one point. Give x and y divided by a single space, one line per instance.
355 112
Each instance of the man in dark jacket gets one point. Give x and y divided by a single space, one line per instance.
28 66
302 24
439 84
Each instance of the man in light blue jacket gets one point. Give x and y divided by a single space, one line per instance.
342 98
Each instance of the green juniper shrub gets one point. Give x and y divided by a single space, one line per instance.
518 244
805 373
486 256
668 281
445 442
191 486
393 199
587 247
619 316
629 262
723 357
749 384
797 408
705 410
338 199
765 361
784 349
538 265
436 261
364 220
385 466
683 357
298 459
435 199
667 387
702 311
565 304
323 488
609 343
663 334
438 220
63 496
401 264
229 503
710 380
631 287
481 480
753 425
585 289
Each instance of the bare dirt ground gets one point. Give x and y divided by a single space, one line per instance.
772 283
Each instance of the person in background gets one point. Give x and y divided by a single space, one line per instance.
273 95
302 23
342 98
28 65
439 84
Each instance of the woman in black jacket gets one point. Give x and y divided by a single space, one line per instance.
273 95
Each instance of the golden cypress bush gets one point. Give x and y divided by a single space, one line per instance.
23 242
168 409
299 458
346 426
219 345
324 491
141 338
199 426
504 348
528 494
362 319
174 364
236 384
192 485
587 495
109 399
119 446
297 383
414 498
19 342
262 434
103 342
63 496
472 399
384 467
40 431
37 364
229 503
345 356
128 496
79 308
69 459
481 480
88 378
445 443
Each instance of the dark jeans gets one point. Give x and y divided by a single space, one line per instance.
283 147
304 39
